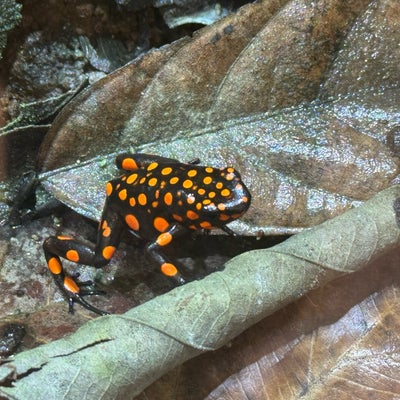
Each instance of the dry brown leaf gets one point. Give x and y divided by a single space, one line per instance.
281 90
355 357
268 55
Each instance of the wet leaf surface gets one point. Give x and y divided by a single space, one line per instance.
282 90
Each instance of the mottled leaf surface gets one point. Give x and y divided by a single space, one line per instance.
353 357
301 97
9 17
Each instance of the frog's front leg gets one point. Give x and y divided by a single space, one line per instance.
77 251
155 250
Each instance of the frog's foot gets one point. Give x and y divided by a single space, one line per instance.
78 298
75 292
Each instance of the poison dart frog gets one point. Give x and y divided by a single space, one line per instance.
159 199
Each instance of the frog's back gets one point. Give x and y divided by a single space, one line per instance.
197 197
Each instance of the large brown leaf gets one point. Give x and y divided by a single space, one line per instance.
354 357
300 96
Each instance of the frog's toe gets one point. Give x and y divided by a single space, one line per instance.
78 298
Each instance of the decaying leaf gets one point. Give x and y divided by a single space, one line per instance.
120 355
9 17
300 97
31 114
354 357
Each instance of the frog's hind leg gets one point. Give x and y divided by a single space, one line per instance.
81 252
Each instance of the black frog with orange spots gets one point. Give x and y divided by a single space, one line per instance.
159 199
